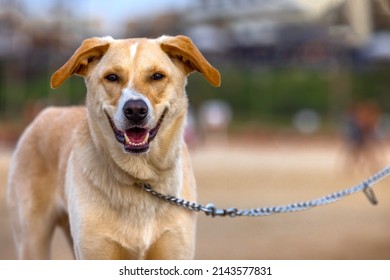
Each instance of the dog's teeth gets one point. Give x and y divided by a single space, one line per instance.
127 140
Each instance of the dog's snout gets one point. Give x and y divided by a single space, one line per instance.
135 110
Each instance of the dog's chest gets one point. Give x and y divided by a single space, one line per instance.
133 224
123 214
136 226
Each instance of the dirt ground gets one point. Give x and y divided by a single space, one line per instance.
246 175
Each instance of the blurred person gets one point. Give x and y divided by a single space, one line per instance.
363 137
191 135
215 117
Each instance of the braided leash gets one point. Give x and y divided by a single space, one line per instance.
211 210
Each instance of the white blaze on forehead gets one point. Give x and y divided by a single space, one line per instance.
133 50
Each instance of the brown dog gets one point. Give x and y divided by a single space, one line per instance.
81 168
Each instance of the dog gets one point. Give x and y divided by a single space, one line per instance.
81 168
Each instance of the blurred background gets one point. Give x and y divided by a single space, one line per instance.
303 110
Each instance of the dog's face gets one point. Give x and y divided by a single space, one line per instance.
136 86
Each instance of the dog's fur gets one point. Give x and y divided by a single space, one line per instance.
81 169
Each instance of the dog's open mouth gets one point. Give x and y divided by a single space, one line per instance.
136 139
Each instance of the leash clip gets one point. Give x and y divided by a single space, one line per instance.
368 191
212 211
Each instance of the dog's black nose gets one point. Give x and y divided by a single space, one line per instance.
135 110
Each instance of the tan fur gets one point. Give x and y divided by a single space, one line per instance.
68 169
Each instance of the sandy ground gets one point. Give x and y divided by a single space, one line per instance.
255 175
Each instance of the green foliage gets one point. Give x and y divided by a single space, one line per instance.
265 94
259 96
373 85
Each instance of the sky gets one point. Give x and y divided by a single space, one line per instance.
116 10
110 9
112 12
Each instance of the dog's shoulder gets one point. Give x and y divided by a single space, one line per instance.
71 113
60 119
52 128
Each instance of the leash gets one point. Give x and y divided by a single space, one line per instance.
211 210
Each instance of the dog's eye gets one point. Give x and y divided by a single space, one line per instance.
157 76
112 78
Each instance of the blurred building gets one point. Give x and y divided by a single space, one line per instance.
241 22
286 29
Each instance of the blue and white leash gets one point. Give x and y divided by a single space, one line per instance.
211 210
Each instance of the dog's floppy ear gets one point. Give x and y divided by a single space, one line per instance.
183 48
89 50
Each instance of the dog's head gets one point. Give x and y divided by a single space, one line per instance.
136 86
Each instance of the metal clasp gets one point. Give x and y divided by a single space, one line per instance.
212 211
370 195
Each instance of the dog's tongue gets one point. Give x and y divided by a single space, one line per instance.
137 134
